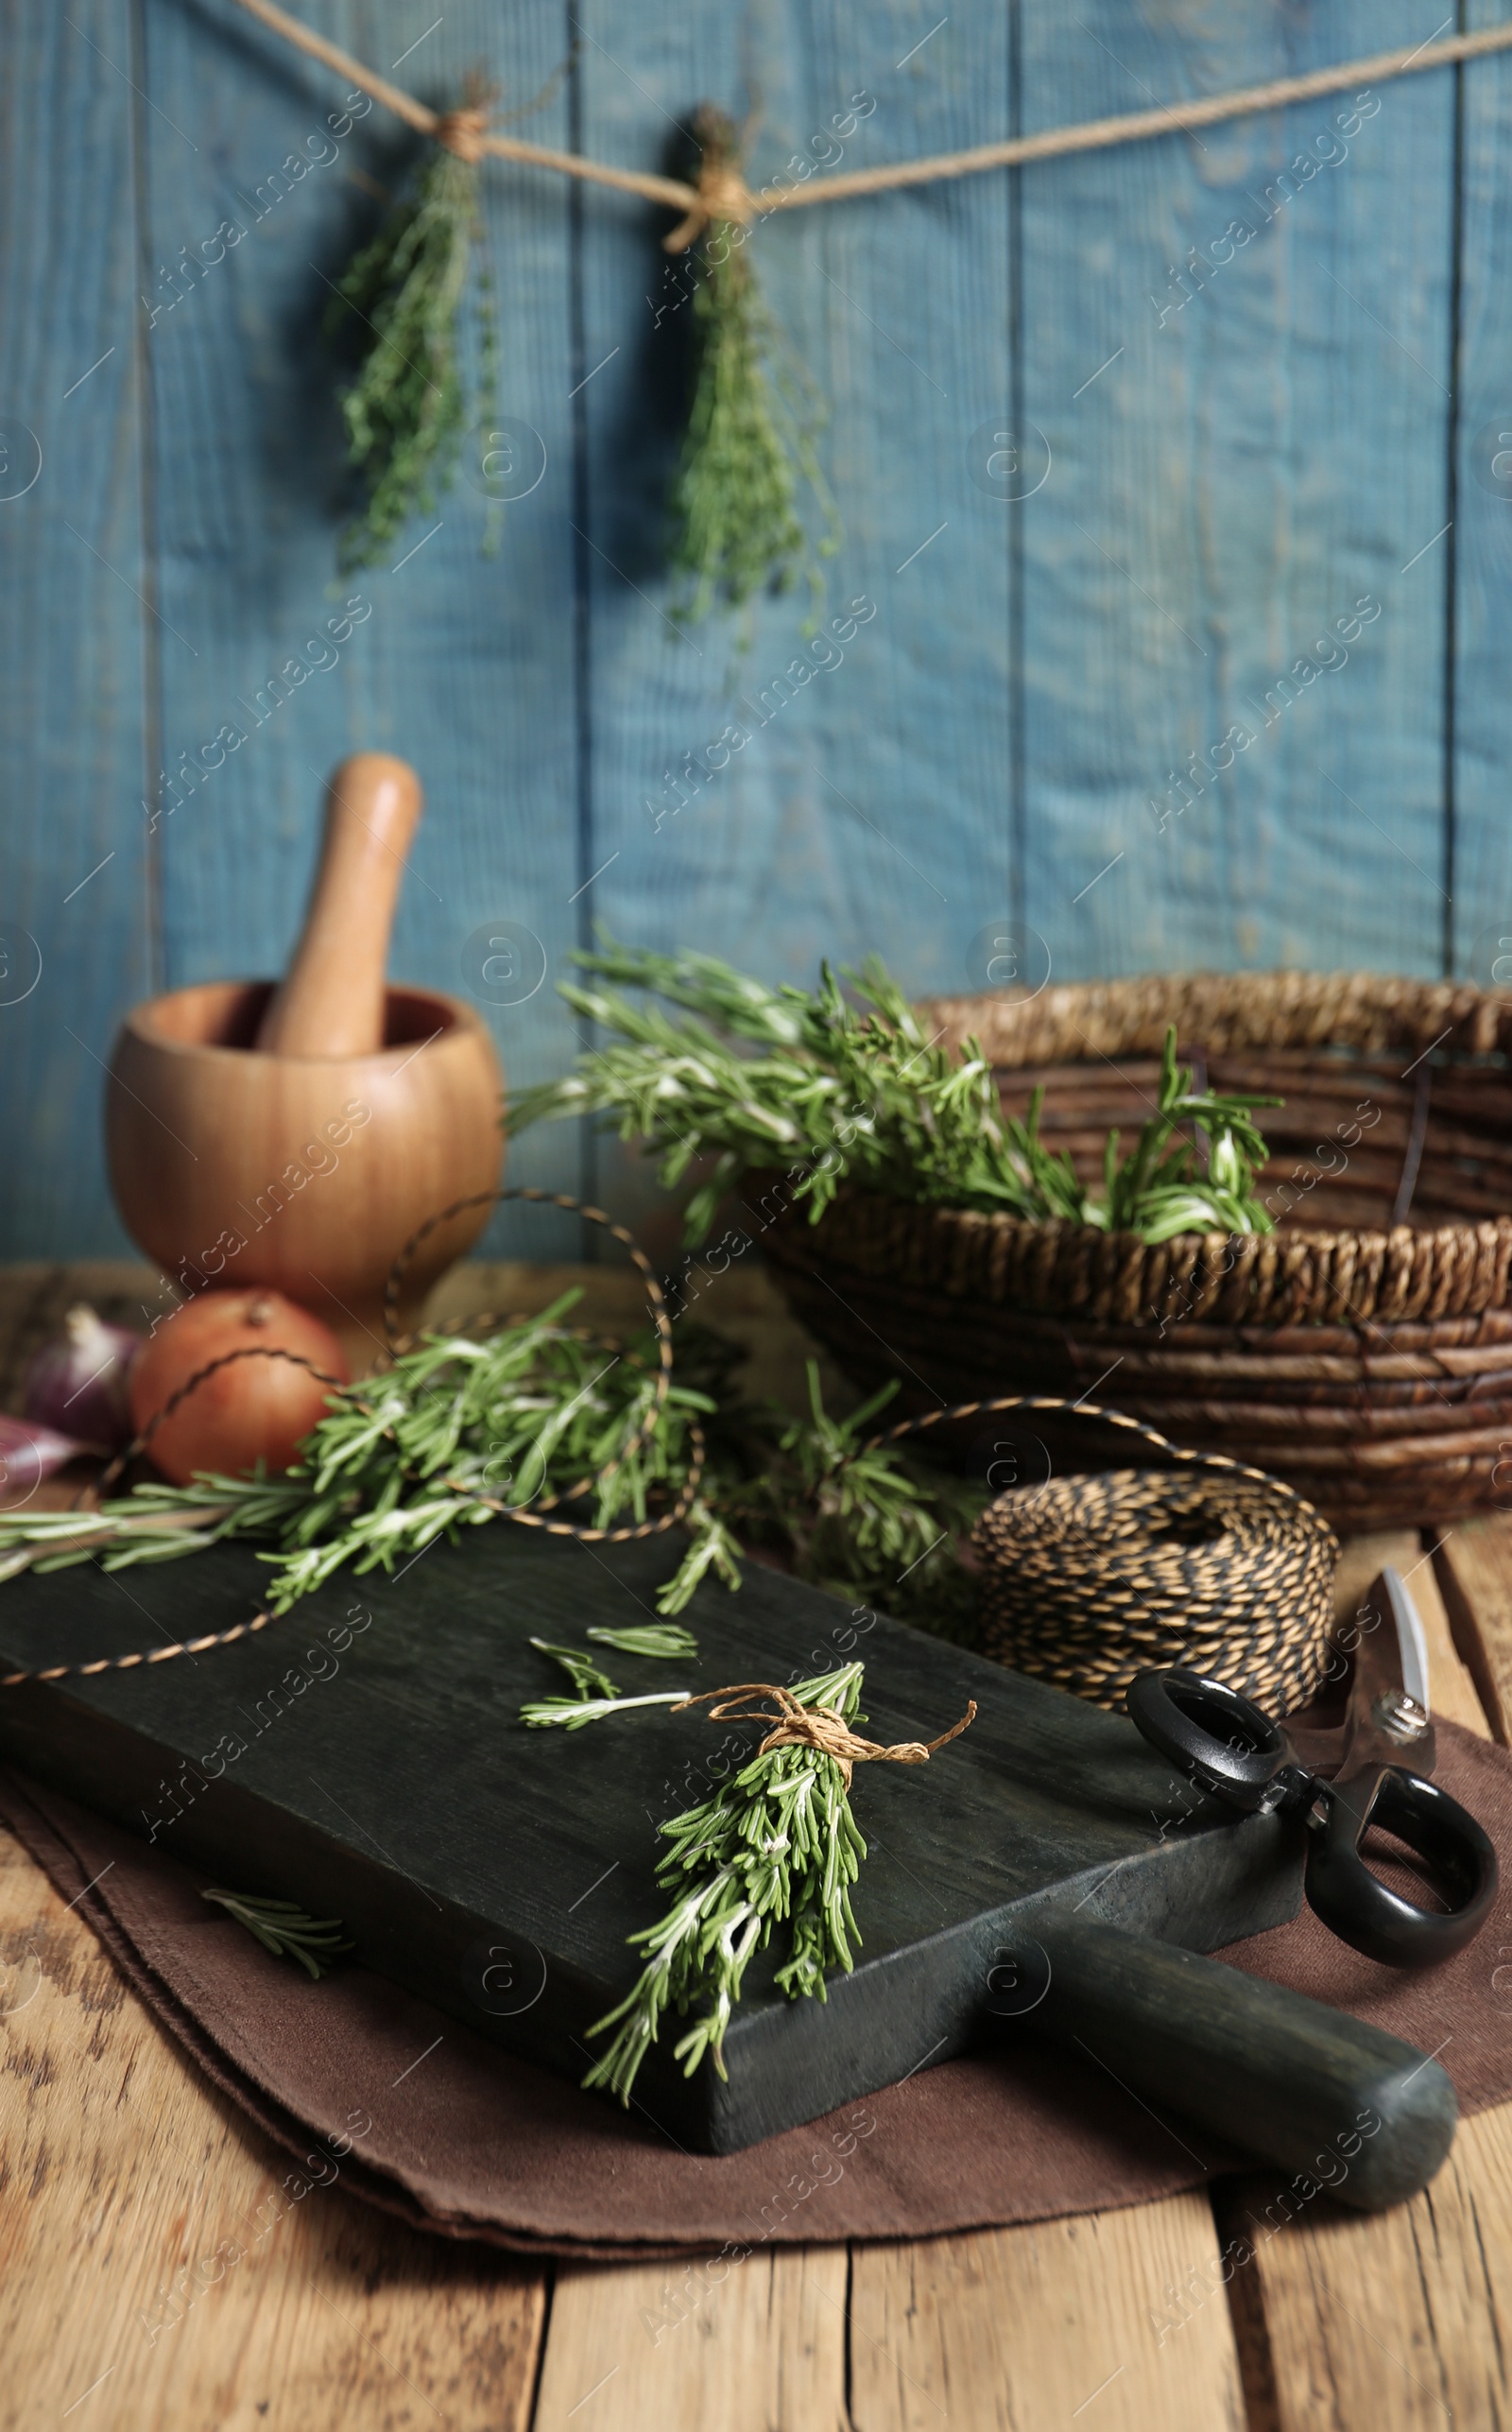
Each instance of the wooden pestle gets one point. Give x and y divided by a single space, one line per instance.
331 1002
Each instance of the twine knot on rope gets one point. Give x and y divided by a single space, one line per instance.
818 1727
722 194
464 131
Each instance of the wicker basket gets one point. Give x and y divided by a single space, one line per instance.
1363 1350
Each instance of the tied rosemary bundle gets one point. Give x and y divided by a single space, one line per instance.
460 1431
777 1845
736 529
827 1088
406 409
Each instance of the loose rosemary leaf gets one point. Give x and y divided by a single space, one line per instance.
283 1927
663 1642
581 1671
572 1713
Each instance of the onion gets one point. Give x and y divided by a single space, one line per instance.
76 1384
29 1452
255 1410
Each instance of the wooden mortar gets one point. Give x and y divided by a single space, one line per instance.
296 1134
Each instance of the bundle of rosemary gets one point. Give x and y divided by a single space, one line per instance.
777 1845
839 1085
458 1431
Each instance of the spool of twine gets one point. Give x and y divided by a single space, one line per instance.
1088 1582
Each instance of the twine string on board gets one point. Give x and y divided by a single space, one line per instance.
739 203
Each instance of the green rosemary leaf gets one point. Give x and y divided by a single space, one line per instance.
572 1713
581 1671
711 1548
283 1927
665 1641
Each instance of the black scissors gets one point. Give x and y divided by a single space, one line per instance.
1367 1772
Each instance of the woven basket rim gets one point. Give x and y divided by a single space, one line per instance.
1291 1277
1077 1021
1296 1275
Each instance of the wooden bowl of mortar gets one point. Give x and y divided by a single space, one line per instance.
296 1134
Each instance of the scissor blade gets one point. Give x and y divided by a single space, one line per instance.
1388 1721
1411 1643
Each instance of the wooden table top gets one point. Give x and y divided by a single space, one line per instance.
123 2166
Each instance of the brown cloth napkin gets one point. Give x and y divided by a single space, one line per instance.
417 2113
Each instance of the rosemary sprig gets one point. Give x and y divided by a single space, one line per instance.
878 1525
456 1428
572 1713
663 1641
581 1671
831 1086
777 1844
283 1927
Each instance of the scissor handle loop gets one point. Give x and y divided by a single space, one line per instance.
1365 1912
1216 1737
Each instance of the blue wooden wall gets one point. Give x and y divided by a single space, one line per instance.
1306 420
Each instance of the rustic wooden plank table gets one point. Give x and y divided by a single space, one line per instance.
123 2166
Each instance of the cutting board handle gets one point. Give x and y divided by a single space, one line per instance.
1364 2116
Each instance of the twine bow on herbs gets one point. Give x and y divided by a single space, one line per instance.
821 1727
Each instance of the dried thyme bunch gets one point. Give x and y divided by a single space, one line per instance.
846 1081
406 407
736 529
777 1844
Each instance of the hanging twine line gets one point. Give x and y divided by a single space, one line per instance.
726 195
819 1728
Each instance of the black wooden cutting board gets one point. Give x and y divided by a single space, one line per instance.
497 1871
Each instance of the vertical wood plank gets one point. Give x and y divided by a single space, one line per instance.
1056 2321
1482 510
1474 1566
656 2348
1249 433
459 660
74 884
